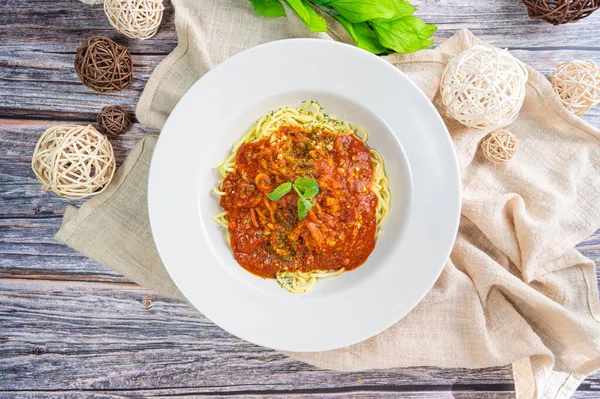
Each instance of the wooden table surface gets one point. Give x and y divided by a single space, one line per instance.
70 327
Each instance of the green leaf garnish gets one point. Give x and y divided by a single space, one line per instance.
280 191
363 35
304 206
305 183
305 187
311 192
308 15
404 35
268 8
378 26
403 9
362 10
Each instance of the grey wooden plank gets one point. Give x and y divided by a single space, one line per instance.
38 24
34 86
18 139
130 339
505 23
29 217
60 26
37 77
76 335
452 394
20 192
38 42
46 86
28 250
191 393
70 335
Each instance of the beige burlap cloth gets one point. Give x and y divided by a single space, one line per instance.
514 290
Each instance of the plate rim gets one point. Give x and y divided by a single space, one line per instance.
434 113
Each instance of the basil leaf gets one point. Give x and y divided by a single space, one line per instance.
363 36
268 8
403 9
404 35
311 192
362 10
314 21
280 191
304 183
304 206
423 30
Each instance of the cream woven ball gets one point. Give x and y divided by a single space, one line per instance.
500 146
484 87
577 83
73 161
138 19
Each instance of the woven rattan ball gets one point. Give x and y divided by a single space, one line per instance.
138 19
114 120
73 161
561 11
577 83
103 65
484 87
500 146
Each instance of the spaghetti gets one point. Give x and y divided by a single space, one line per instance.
268 237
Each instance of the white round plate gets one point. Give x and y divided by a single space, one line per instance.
350 84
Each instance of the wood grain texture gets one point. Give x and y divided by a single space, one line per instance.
37 79
281 394
70 335
70 328
129 337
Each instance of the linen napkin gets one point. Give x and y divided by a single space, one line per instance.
514 289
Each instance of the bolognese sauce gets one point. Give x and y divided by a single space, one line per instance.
269 236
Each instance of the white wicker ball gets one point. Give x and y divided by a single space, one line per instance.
73 161
500 146
138 19
484 87
577 83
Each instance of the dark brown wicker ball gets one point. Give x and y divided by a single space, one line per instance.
103 65
561 11
114 120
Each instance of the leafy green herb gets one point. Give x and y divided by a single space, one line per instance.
363 35
311 192
305 187
304 206
404 35
268 8
305 183
280 191
403 9
361 10
378 26
308 15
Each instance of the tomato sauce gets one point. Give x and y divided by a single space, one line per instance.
339 230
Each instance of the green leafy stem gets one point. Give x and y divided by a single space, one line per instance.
305 187
378 26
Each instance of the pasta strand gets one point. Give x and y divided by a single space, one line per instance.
308 115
